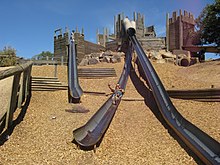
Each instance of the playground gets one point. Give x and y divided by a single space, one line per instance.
43 135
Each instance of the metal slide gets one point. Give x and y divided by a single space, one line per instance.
92 132
74 89
204 146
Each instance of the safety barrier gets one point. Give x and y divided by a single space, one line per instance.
20 91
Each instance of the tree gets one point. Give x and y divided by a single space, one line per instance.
7 56
8 50
208 24
43 55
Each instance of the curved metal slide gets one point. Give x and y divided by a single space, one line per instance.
91 133
74 89
204 146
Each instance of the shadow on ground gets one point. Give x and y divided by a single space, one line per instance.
149 100
4 135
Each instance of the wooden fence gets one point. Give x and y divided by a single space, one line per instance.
20 91
50 61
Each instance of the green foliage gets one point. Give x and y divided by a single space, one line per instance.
208 23
7 61
43 55
8 50
7 56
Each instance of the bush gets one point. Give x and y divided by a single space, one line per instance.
7 61
7 56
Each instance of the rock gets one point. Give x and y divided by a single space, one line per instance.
117 57
106 59
93 61
156 56
113 60
84 62
107 53
161 61
96 55
167 54
169 60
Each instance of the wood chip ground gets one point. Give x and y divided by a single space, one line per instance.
135 135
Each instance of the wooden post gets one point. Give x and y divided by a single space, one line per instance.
167 32
13 103
61 60
104 37
47 60
180 31
29 81
55 70
21 91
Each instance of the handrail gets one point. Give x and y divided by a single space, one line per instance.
90 134
16 100
17 69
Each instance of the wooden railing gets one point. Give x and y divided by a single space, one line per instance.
50 61
20 91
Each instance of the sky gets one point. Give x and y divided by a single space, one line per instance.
29 25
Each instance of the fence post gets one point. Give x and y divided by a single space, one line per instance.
21 91
12 102
61 60
47 60
28 82
55 70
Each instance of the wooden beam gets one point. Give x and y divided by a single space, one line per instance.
193 48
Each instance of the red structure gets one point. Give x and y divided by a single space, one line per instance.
181 30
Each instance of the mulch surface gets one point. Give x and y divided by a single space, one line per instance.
135 136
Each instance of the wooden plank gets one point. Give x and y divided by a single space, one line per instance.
133 99
13 102
28 83
21 91
44 62
47 78
45 82
15 70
